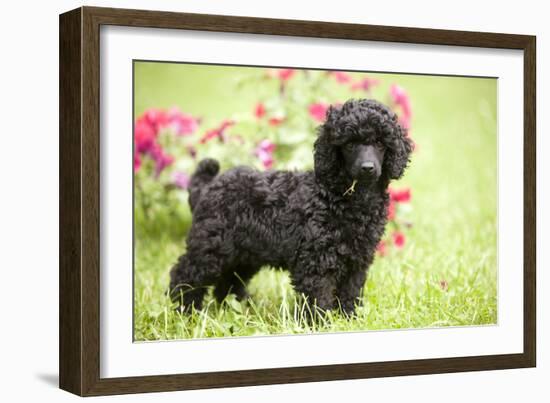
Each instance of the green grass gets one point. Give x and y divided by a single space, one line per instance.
445 276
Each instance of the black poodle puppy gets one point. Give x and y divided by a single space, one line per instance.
322 225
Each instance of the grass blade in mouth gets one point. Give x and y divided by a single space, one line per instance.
351 189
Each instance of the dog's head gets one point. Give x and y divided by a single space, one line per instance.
361 142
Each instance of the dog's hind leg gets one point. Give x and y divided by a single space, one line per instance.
234 281
189 280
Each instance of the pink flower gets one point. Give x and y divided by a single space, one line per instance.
400 196
218 132
146 132
340 76
267 146
149 124
264 151
156 118
285 74
266 159
365 84
381 248
399 95
398 239
137 162
318 111
181 180
401 99
162 163
259 111
162 160
144 135
182 123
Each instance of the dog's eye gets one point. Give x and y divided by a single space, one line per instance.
380 145
349 146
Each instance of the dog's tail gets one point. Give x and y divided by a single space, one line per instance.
207 169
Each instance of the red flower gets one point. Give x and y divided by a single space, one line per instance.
209 135
340 76
275 121
218 132
381 248
285 74
318 111
365 84
259 111
400 196
398 239
391 211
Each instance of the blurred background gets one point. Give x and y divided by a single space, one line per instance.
436 264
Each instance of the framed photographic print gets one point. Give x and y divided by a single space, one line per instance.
249 201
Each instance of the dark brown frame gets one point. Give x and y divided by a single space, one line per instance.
79 200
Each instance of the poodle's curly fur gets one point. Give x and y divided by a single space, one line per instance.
304 222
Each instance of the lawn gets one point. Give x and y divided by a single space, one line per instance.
446 273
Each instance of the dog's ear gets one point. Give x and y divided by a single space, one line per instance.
327 162
330 127
398 153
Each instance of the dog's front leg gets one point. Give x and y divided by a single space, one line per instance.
349 290
318 288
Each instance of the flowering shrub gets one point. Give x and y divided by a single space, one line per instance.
276 133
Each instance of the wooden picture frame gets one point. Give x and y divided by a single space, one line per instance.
80 199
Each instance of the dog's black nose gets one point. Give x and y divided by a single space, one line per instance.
367 168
